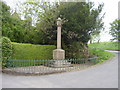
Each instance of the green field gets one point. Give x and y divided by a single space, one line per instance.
106 45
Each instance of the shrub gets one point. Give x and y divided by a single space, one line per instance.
6 50
81 51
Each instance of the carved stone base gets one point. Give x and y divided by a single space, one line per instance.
58 54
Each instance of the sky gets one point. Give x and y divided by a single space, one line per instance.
110 9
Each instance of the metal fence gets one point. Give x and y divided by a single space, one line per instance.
42 67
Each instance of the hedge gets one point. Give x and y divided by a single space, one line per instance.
22 51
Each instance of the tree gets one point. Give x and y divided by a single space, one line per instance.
45 15
95 37
82 22
15 28
5 17
11 26
115 29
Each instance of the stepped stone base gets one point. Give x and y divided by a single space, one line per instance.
59 64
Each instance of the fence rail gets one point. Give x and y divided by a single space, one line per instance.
40 67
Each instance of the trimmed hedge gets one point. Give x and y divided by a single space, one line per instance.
23 51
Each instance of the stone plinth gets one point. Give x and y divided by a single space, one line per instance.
58 54
59 62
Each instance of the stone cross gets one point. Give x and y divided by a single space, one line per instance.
59 53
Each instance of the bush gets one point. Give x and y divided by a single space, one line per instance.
81 51
6 50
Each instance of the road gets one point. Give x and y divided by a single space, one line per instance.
104 75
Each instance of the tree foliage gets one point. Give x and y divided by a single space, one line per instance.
115 29
16 29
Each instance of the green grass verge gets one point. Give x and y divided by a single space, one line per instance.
101 54
97 49
106 45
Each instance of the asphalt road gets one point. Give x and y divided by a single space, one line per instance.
104 75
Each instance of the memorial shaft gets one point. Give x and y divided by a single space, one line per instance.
59 53
59 37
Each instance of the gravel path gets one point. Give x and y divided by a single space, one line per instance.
104 75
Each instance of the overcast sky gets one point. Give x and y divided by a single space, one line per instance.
110 7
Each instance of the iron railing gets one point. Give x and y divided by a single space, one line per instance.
40 67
